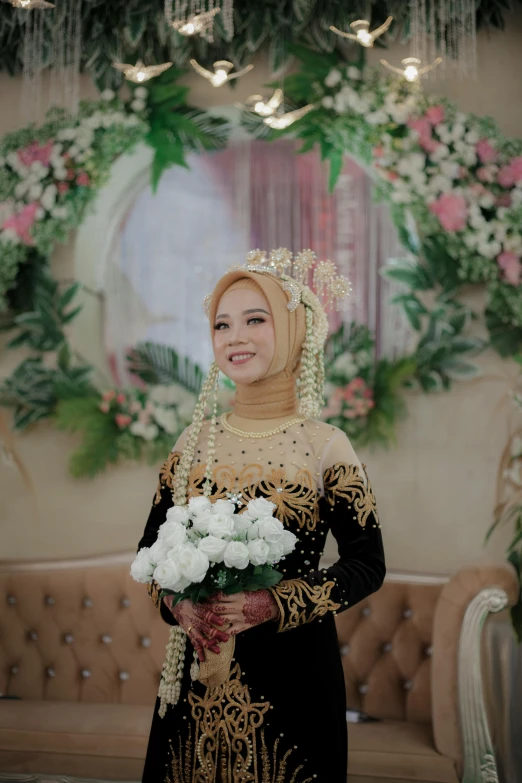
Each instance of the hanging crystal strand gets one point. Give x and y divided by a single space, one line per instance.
31 96
418 46
65 74
227 12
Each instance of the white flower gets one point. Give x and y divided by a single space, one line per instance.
192 562
270 529
345 363
60 213
275 552
487 200
258 551
142 569
402 196
415 161
166 418
221 525
141 92
60 173
138 105
442 151
328 102
378 117
21 189
242 525
213 548
353 72
199 503
49 197
236 555
450 169
201 520
108 95
259 507
169 576
137 428
178 514
333 78
158 551
399 113
289 541
440 184
67 134
35 191
472 137
9 235
458 131
223 506
172 533
39 214
253 530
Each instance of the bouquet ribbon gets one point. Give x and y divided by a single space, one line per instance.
215 669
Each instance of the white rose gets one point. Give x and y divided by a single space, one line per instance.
221 525
270 529
333 78
192 562
241 525
142 569
378 117
199 503
223 507
168 575
60 213
275 552
49 197
201 520
107 95
178 514
138 105
35 191
173 534
236 555
166 418
253 531
289 541
353 72
158 551
141 92
259 507
213 547
345 363
328 102
258 551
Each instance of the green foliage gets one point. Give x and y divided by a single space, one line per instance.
228 581
160 365
41 328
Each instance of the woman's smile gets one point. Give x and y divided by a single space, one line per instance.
240 358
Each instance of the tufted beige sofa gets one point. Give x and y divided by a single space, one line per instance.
81 646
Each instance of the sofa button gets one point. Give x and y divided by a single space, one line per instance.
407 613
87 602
68 638
106 639
145 641
387 647
50 671
363 688
124 676
345 649
366 611
49 600
125 602
407 685
14 669
33 636
428 651
11 600
86 673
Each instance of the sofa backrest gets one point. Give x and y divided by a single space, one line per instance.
85 631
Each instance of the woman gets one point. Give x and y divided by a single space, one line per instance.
280 715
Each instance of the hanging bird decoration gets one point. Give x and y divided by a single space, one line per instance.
30 4
140 73
281 121
201 23
410 70
265 108
222 72
362 32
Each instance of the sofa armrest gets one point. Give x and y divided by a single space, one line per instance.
460 724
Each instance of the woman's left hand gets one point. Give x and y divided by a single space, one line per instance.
242 611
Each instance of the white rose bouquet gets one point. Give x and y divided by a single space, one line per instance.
205 547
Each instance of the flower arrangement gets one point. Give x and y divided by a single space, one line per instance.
204 547
145 414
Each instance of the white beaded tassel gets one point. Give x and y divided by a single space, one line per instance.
170 683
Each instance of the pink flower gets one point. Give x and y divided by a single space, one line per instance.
122 420
378 151
508 175
477 189
34 152
485 151
109 395
22 222
70 174
516 168
451 210
392 176
135 407
435 114
504 200
486 173
510 264
334 405
104 407
144 417
63 187
120 398
428 143
83 179
422 125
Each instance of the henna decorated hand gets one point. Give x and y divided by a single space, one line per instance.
243 610
198 621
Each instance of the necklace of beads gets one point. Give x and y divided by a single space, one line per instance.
267 434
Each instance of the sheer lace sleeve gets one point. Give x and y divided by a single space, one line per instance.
161 503
353 519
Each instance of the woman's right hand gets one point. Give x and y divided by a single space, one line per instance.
198 622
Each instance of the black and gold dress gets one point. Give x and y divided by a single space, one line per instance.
280 717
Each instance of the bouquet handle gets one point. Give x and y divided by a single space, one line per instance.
215 669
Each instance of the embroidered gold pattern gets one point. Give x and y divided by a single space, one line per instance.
154 592
181 762
166 475
345 481
226 721
294 596
275 770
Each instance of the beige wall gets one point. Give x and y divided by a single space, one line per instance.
435 489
